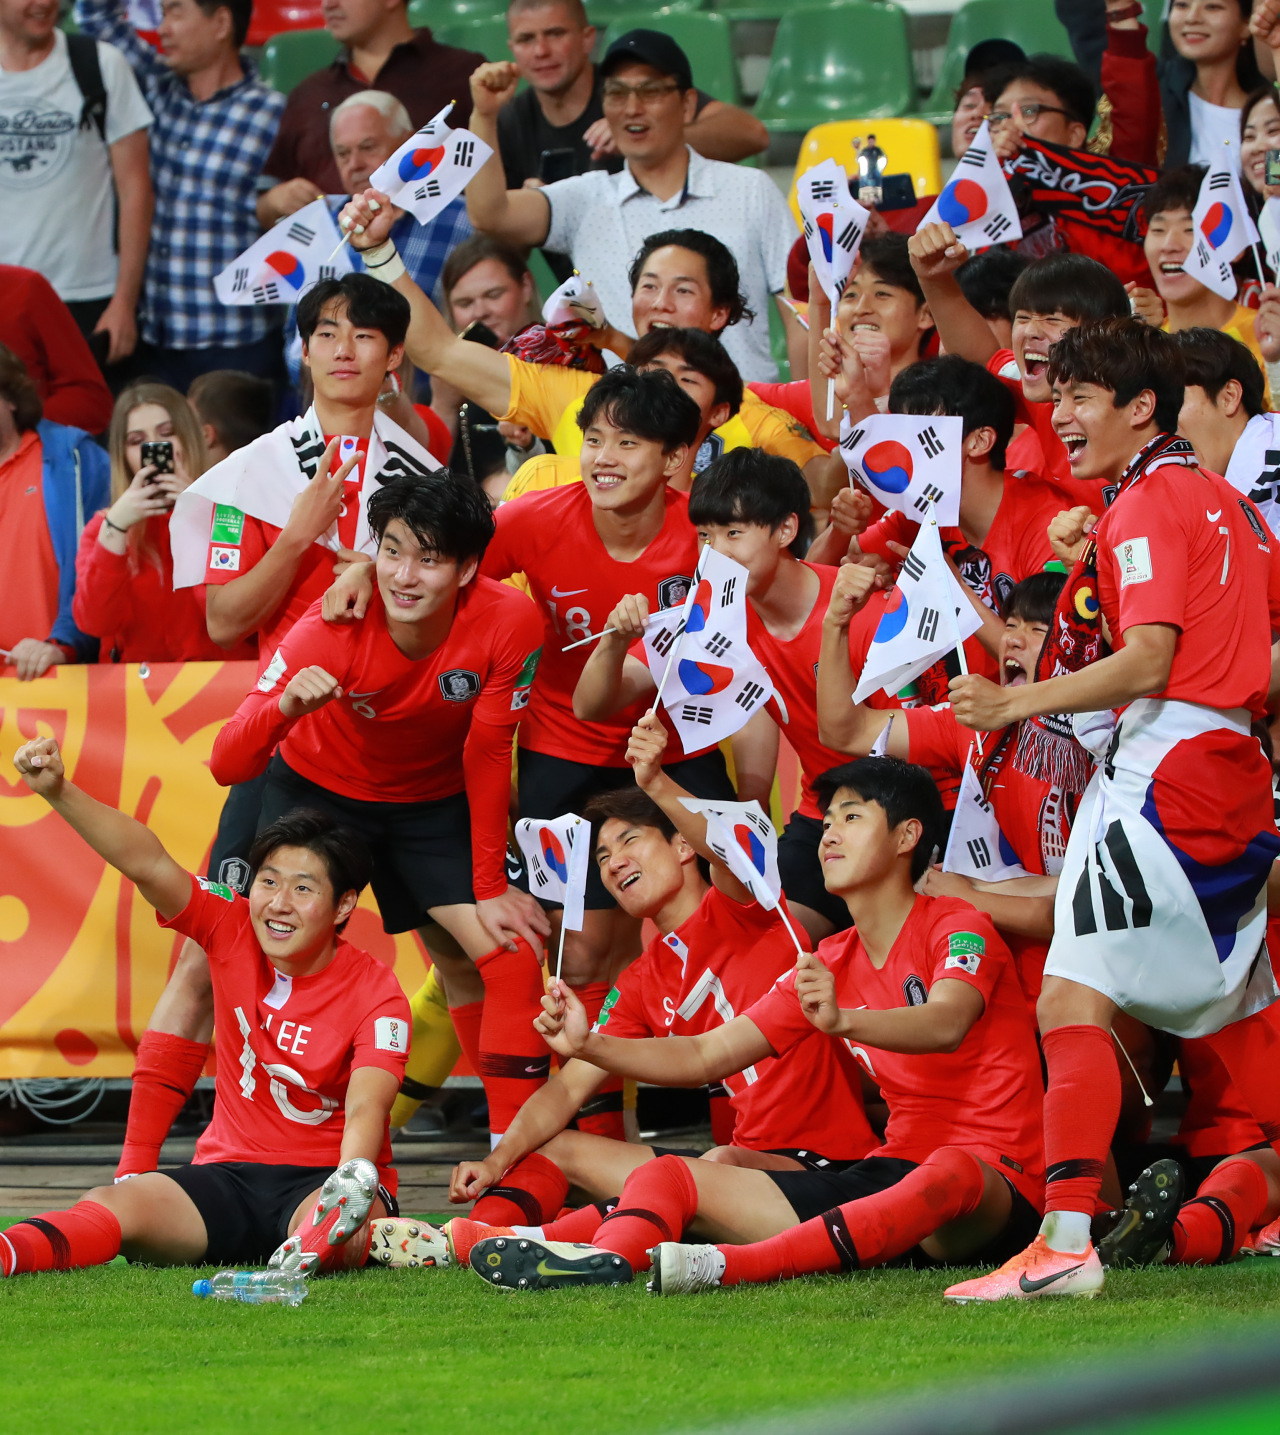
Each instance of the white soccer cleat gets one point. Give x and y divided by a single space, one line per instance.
682 1269
340 1210
403 1243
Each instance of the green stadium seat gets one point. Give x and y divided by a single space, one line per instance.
1029 23
837 62
602 12
1152 10
290 57
705 37
438 13
489 36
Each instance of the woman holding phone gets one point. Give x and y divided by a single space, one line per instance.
124 570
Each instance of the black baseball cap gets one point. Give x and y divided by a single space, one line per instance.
988 54
650 47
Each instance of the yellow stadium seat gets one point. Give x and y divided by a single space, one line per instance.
910 147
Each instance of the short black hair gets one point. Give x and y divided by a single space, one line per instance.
1211 359
1175 189
887 255
650 405
723 276
636 809
747 485
1127 357
903 789
986 279
700 351
367 302
236 406
952 385
1035 598
241 14
1070 284
1074 89
447 514
346 859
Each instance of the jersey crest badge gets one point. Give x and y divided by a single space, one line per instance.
459 685
914 991
674 590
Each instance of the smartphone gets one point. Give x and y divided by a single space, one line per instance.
158 455
554 164
1272 174
480 333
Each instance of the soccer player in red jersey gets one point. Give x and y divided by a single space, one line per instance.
400 725
1161 905
314 1033
922 992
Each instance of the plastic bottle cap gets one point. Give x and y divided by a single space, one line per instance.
202 1288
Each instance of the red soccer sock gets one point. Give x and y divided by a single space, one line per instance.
466 1027
165 1072
86 1235
658 1201
1229 1204
531 1192
1250 1050
579 1225
603 1114
870 1231
514 1060
1081 1108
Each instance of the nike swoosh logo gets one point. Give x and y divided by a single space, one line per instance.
568 592
545 1270
1032 1286
1213 517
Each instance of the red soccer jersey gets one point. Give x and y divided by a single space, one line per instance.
1181 546
713 967
403 730
551 538
288 1045
987 1095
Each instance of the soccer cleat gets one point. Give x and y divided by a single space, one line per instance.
681 1269
520 1263
1142 1236
462 1233
1265 1242
340 1210
1035 1272
400 1243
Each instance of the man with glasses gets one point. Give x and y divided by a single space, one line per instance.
600 220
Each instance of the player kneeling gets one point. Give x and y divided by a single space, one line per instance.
314 1035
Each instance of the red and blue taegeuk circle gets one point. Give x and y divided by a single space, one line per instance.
701 680
893 619
553 853
289 267
749 840
699 609
826 227
419 163
963 201
888 465
1216 225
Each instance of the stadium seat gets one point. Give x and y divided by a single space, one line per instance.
1152 18
705 37
489 36
602 12
289 58
843 59
438 13
910 147
1029 23
279 17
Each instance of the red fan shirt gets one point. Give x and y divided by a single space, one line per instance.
986 1096
288 1045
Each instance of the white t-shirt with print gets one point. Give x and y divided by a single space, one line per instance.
56 190
1213 129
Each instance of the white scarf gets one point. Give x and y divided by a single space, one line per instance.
1254 469
263 479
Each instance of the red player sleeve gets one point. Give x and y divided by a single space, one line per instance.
893 527
211 906
382 1035
623 1012
937 741
964 947
779 1016
1146 555
499 559
250 549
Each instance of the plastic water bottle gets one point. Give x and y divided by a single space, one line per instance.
254 1287
871 163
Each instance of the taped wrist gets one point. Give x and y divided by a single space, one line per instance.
384 262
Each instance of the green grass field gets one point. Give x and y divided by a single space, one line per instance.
119 1349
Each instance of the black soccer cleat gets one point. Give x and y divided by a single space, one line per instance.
1141 1236
521 1263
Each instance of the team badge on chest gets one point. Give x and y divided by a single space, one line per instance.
459 685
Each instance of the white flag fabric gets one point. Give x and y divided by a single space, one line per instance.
716 682
908 462
1221 229
290 258
431 167
977 202
557 852
743 838
573 304
880 747
263 478
834 223
976 846
916 628
1254 468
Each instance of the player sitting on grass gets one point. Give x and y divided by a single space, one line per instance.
314 1034
716 953
923 993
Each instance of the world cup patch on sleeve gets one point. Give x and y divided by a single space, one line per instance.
391 1033
228 525
965 950
609 1003
271 673
1134 558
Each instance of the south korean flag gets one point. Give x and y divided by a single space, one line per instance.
907 462
926 615
1221 229
976 846
712 682
556 854
977 202
574 305
743 838
834 223
288 260
431 168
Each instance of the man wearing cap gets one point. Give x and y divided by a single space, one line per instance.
600 220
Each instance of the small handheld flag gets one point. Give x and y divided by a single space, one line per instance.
431 168
976 846
908 462
977 202
1221 229
556 853
574 305
286 261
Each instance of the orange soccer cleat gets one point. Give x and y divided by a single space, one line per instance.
462 1233
1035 1272
1265 1242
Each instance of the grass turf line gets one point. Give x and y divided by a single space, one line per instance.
128 1349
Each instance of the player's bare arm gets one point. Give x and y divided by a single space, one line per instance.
612 679
842 724
371 1090
520 216
1020 914
346 600
936 254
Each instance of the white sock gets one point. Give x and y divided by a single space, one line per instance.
535 1232
1066 1231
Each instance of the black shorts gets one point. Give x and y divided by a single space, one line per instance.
800 870
551 786
421 851
813 1193
246 1207
237 827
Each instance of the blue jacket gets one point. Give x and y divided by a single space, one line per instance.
76 483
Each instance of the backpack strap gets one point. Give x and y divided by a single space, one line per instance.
82 51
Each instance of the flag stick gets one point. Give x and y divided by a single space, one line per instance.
591 637
831 399
1146 1100
560 949
675 647
786 922
1257 259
